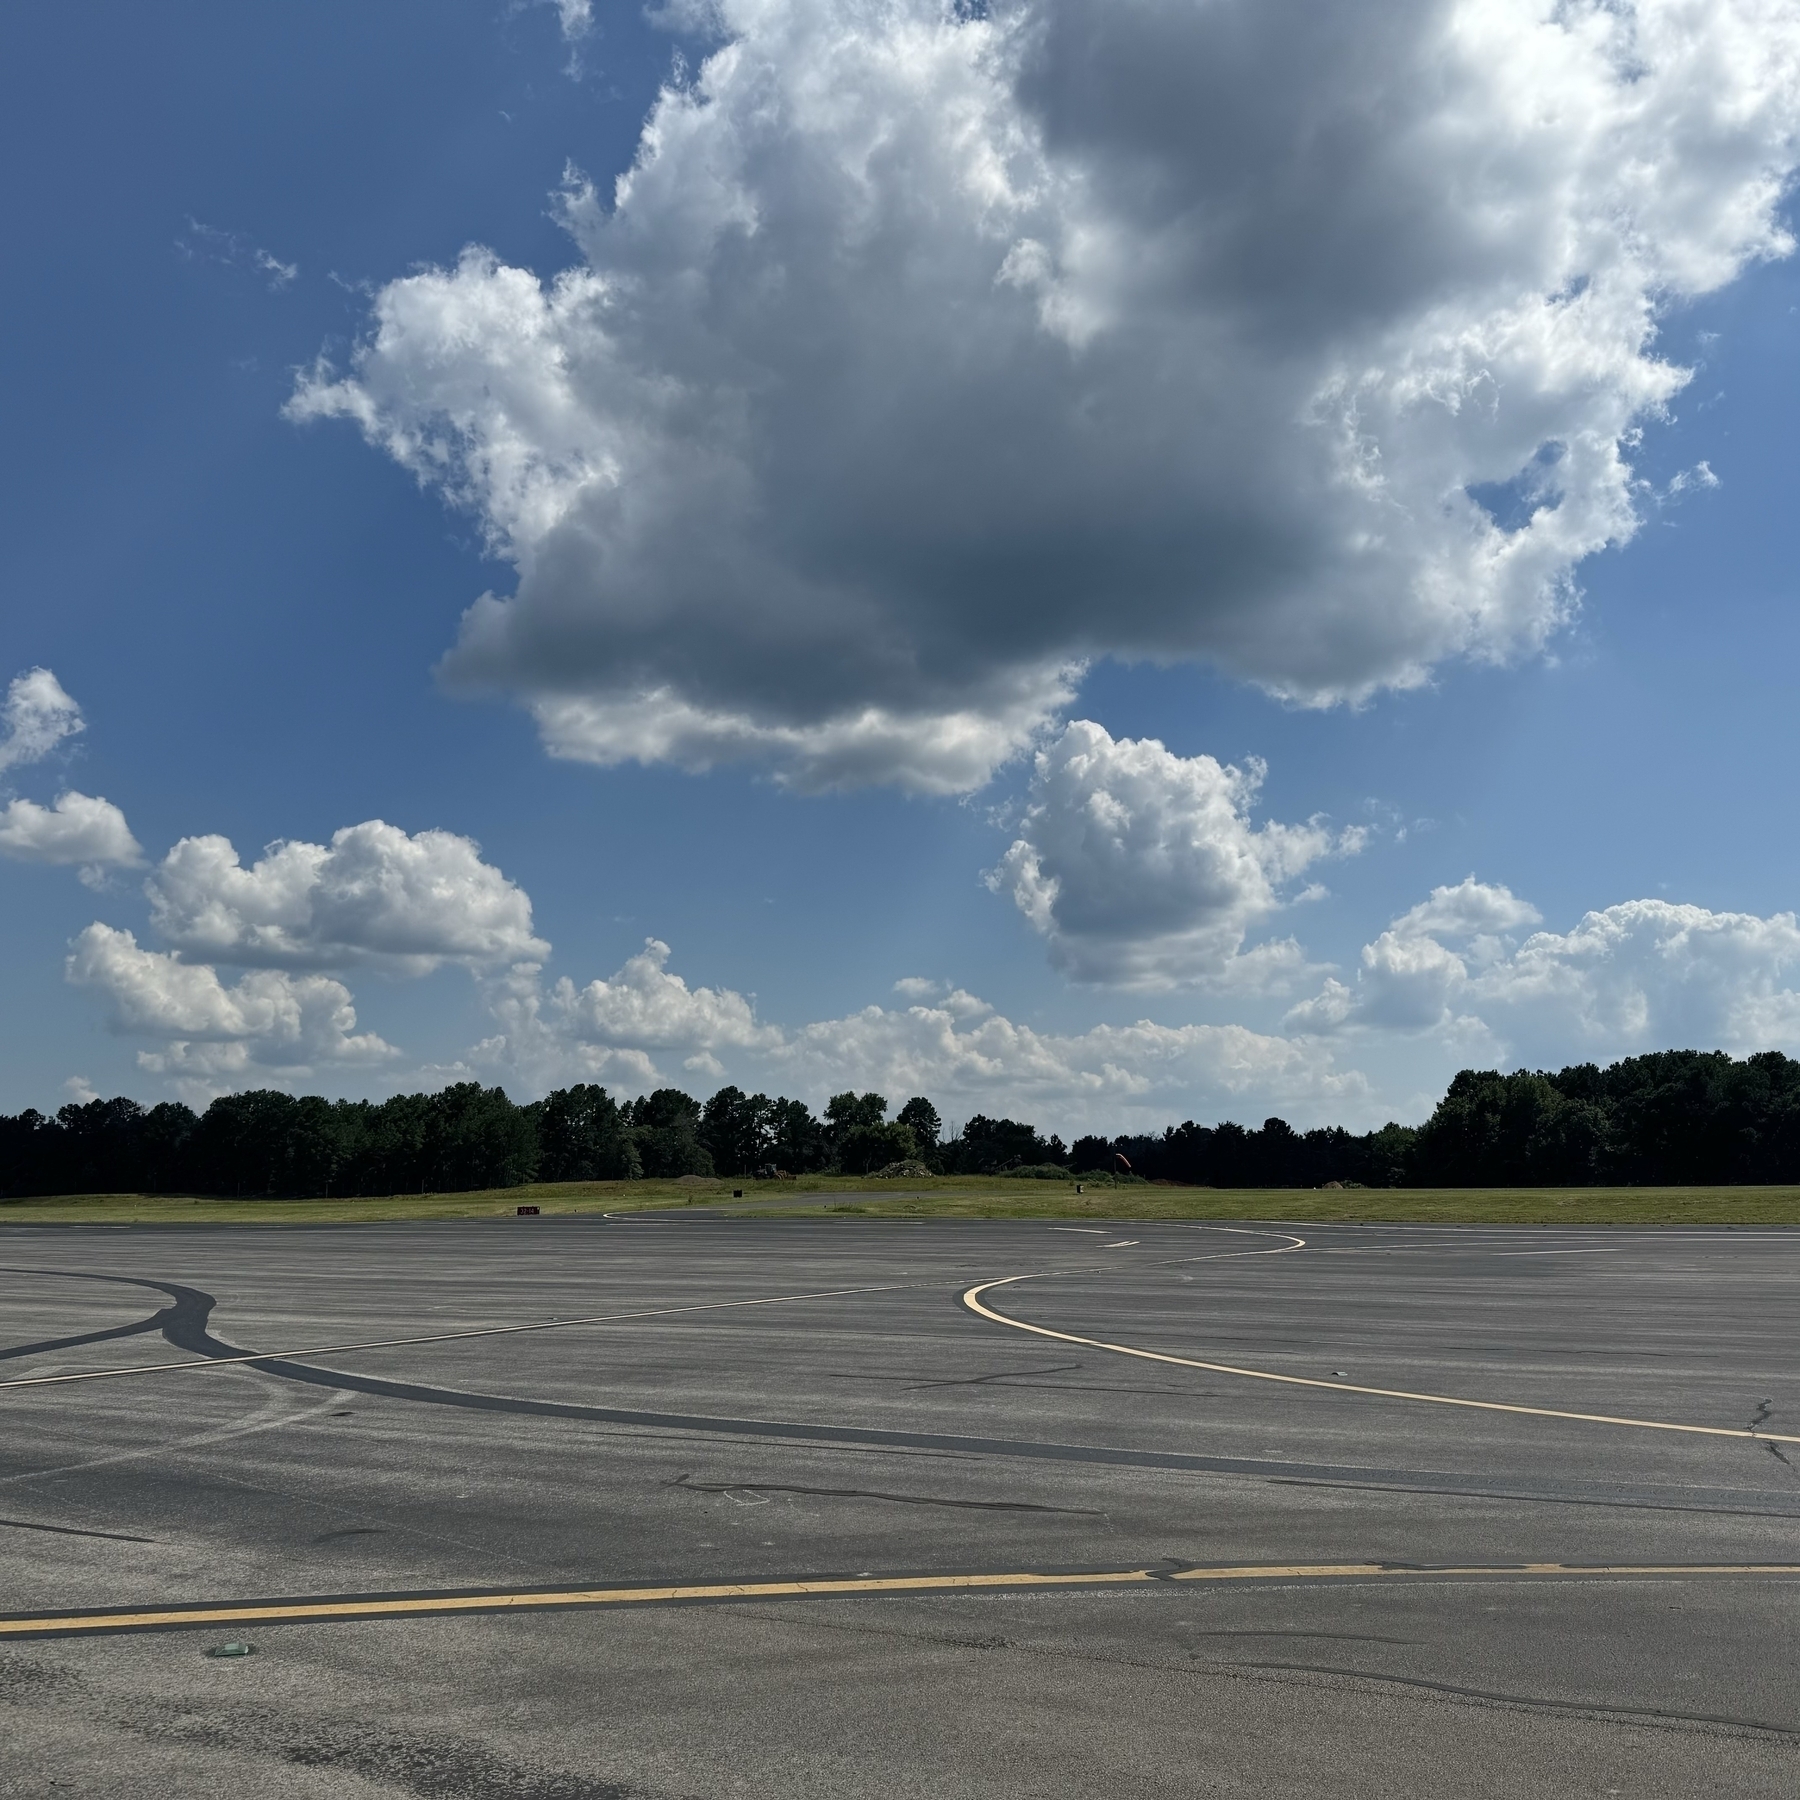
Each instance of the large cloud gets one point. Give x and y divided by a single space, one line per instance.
1142 868
373 897
221 1036
952 1046
1642 975
79 828
928 350
36 716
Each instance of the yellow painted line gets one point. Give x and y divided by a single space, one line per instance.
1387 1572
1019 1581
444 1337
972 1300
300 1612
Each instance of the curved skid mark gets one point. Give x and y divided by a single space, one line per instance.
186 1330
271 1415
184 1324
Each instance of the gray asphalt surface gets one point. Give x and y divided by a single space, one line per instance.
893 1432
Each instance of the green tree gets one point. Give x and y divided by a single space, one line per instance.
920 1117
987 1146
866 1148
476 1138
583 1136
737 1130
796 1138
665 1126
1495 1130
848 1112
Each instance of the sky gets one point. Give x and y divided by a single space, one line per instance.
1102 561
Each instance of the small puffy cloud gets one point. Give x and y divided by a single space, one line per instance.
1472 910
927 352
373 897
1142 869
1642 975
79 828
956 1048
207 243
608 1029
218 1032
36 716
1686 481
647 1007
1418 972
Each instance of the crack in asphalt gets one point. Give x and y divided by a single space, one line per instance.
1585 1709
1667 1718
999 1375
1336 1637
121 1537
1468 1491
776 1487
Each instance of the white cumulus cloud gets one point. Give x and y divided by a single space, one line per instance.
373 897
79 828
609 1030
927 352
36 716
646 1006
1142 869
955 1048
1642 975
220 1034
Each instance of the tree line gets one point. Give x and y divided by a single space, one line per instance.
1678 1117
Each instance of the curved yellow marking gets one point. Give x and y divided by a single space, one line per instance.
972 1300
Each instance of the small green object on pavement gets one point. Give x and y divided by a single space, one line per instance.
231 1650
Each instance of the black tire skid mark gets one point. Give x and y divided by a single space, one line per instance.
186 1304
185 1326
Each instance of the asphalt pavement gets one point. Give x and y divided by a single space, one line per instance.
672 1505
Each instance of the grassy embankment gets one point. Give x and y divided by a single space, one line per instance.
964 1197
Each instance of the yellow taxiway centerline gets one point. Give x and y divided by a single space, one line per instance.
972 1300
353 1607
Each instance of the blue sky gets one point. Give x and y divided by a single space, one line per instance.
664 733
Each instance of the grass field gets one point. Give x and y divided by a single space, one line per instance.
966 1197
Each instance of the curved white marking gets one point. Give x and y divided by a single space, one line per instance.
972 1300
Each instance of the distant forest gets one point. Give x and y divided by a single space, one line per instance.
1678 1117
